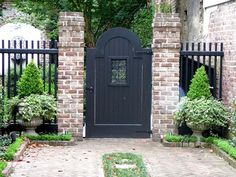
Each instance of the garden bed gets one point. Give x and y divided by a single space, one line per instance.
221 147
3 166
52 139
182 141
12 152
124 164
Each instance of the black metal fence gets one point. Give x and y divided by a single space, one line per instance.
14 57
195 55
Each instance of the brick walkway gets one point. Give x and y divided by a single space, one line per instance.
84 160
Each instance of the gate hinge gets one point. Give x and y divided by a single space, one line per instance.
144 131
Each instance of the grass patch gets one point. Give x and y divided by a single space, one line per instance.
12 149
50 137
110 162
2 167
179 138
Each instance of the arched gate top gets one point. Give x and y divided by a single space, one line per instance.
115 33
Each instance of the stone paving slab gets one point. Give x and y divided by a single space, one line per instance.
85 160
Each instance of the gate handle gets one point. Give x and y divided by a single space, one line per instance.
90 89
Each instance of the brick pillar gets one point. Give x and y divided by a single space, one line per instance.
165 72
70 73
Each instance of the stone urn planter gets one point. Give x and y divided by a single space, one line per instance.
31 125
197 131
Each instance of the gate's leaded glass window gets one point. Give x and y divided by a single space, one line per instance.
118 71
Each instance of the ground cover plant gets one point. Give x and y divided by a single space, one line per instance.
8 150
50 137
3 165
180 138
111 161
12 149
224 144
5 141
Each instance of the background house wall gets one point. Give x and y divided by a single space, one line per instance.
212 21
222 28
191 16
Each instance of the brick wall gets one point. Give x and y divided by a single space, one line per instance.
165 72
222 28
70 73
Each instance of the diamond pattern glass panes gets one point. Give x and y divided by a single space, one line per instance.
118 71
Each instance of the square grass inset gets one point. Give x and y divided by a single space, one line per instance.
111 163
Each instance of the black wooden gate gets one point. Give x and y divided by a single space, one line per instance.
118 86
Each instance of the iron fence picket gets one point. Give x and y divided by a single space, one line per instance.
190 61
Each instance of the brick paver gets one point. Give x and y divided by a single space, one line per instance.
84 160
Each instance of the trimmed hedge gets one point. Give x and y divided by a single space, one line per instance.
225 146
50 137
179 138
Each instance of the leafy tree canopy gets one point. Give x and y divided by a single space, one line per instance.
99 15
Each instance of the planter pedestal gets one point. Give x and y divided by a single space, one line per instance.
198 134
197 131
32 125
30 131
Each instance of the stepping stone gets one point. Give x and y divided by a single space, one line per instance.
125 166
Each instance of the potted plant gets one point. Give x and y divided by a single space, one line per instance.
201 114
31 105
199 110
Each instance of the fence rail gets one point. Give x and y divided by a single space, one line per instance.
195 55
